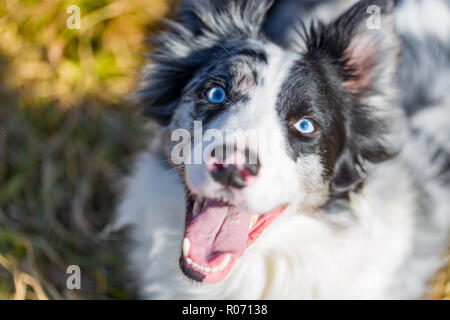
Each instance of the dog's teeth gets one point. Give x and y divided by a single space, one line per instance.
196 209
253 220
186 247
225 261
200 267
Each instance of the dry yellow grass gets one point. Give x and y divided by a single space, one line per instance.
50 61
66 138
440 289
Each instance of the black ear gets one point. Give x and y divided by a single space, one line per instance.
361 47
361 44
202 26
164 80
348 175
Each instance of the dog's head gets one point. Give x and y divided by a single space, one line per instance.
254 128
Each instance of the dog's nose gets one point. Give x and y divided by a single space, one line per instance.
234 169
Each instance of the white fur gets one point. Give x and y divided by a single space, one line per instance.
297 257
423 18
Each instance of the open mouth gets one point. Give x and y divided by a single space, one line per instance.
216 235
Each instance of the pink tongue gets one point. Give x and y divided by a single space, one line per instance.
218 229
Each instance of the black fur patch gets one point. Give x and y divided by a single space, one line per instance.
349 128
168 80
202 31
224 70
309 93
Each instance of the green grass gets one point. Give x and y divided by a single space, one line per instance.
59 181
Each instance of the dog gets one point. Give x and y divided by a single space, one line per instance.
345 195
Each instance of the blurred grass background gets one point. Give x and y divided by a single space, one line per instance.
67 136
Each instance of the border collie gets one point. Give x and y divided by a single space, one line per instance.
346 192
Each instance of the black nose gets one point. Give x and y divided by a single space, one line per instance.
230 173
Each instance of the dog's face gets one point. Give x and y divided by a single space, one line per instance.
261 128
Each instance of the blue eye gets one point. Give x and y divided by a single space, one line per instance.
305 126
216 95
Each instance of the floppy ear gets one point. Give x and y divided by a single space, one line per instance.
202 28
361 46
